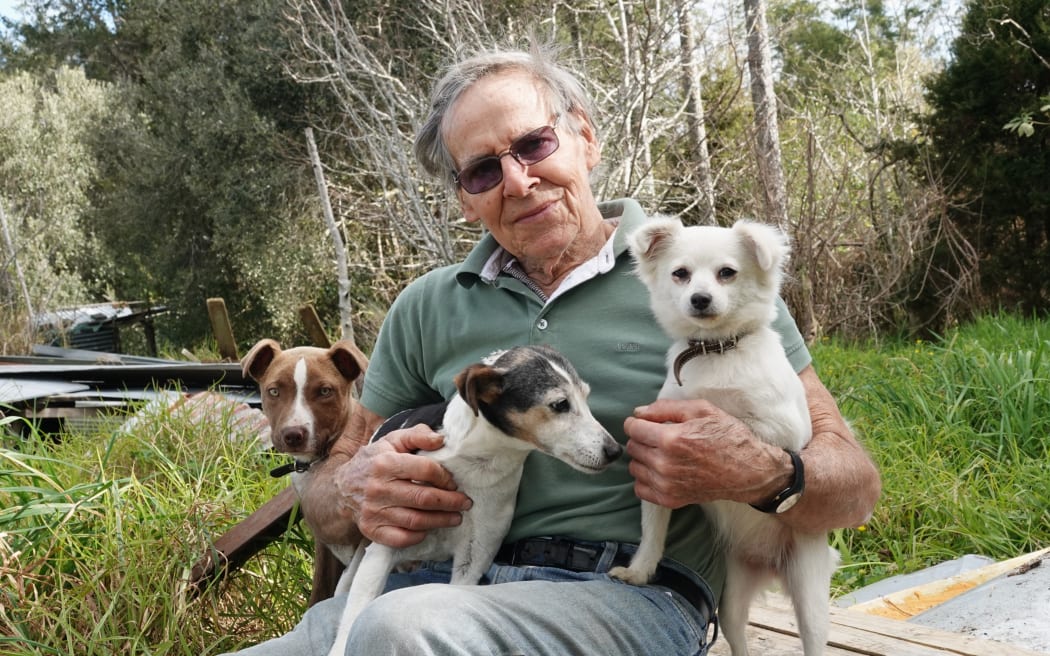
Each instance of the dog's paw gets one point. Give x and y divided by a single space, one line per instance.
630 575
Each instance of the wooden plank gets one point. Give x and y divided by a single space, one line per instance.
314 327
245 539
946 641
222 329
909 602
773 630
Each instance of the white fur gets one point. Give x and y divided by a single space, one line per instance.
486 465
717 283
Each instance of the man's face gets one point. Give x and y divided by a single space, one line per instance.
536 211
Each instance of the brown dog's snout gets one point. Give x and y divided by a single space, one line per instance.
293 437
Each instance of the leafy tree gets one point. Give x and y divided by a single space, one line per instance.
77 33
999 67
46 168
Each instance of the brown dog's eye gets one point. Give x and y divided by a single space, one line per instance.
273 391
325 391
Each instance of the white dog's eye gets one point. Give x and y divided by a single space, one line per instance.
681 274
726 273
560 406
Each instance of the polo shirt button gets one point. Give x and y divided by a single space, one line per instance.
542 324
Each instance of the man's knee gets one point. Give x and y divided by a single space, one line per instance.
411 620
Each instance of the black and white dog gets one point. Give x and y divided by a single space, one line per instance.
513 402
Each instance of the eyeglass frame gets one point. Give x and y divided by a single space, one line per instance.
553 127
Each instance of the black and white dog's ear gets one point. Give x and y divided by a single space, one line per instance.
479 383
257 360
769 244
651 240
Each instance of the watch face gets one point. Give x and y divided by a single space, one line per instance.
788 503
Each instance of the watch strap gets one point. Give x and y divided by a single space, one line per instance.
789 494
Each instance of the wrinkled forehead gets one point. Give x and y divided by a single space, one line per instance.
500 105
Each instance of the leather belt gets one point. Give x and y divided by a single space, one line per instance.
579 556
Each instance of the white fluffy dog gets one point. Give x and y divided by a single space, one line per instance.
713 290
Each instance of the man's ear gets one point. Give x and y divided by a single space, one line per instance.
466 205
590 137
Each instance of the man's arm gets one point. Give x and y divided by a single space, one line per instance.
686 452
383 490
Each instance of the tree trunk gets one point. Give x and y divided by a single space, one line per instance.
697 129
767 137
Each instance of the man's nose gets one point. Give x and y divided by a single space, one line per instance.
517 181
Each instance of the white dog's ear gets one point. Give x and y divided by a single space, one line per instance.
769 244
652 239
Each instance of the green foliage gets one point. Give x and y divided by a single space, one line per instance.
958 428
99 531
58 33
46 170
999 70
200 198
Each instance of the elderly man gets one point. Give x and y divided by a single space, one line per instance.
513 132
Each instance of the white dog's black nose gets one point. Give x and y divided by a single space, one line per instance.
700 301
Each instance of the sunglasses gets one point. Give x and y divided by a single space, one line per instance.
487 172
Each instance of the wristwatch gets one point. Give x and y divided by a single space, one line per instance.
789 496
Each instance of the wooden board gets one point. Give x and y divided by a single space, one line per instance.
773 632
245 539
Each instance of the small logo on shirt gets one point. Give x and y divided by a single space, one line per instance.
628 347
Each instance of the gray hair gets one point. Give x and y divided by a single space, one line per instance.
564 92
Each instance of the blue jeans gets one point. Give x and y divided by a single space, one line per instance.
533 611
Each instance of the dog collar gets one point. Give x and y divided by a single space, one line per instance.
699 347
297 466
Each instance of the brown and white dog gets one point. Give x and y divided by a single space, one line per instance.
307 396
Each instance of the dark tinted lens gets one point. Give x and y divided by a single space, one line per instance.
487 172
481 175
535 146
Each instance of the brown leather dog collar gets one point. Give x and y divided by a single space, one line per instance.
699 347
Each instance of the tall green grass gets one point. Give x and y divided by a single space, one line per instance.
960 429
98 529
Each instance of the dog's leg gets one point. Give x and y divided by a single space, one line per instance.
807 578
367 584
327 570
347 578
655 520
742 583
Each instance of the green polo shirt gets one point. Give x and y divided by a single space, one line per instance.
452 316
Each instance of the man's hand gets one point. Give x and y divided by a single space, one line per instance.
685 452
397 496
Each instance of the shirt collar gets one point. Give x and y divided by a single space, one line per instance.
487 258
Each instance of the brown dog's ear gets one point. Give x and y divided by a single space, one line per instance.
348 359
258 359
479 383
